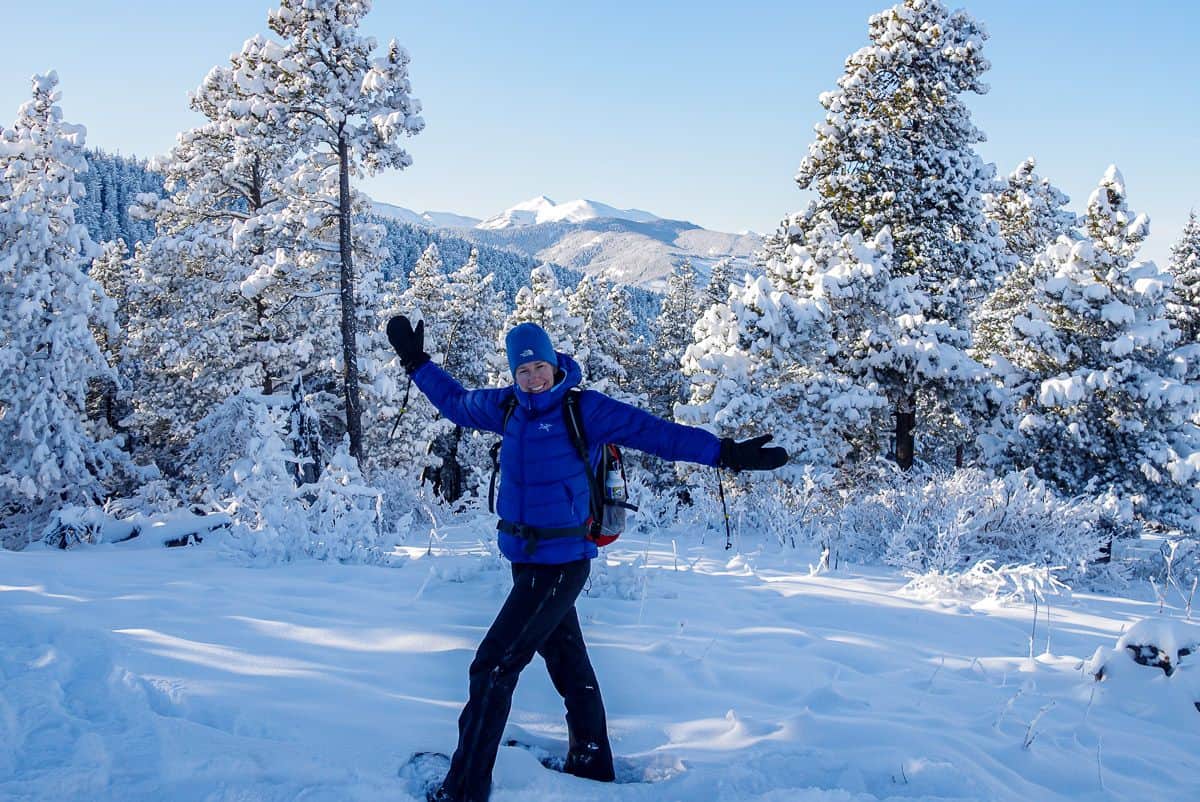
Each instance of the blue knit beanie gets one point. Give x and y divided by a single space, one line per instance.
528 342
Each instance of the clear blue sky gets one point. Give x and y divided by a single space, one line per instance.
698 110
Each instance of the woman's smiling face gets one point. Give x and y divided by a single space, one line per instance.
535 377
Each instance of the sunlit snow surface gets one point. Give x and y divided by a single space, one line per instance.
151 674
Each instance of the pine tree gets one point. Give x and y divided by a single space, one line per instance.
751 371
426 298
1184 307
258 314
1030 214
110 271
894 154
476 311
544 302
672 332
720 278
413 425
48 310
598 349
346 112
1097 398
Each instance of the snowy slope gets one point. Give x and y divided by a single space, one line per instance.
633 252
428 219
147 674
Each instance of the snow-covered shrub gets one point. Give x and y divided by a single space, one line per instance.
339 517
242 464
344 515
984 581
944 522
1171 565
74 525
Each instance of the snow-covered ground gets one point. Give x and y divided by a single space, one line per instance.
134 673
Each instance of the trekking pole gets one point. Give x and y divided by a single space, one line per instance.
724 511
403 409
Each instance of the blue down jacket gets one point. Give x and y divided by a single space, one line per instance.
542 480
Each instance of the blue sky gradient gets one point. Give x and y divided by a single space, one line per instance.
700 110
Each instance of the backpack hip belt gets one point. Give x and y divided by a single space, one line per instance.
532 535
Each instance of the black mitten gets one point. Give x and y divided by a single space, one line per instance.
749 455
409 343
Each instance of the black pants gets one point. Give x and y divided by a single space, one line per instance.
538 616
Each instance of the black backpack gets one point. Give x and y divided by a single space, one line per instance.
608 488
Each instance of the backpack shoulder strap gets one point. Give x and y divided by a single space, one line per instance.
510 406
574 420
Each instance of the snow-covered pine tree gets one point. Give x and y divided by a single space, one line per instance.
425 299
752 370
720 277
596 351
400 432
544 302
477 312
895 152
257 314
110 271
48 309
1098 403
630 347
1031 213
1184 306
346 111
672 332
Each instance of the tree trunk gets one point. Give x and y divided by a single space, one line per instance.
906 423
349 305
260 309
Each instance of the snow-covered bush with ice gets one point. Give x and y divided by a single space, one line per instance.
928 521
985 582
242 464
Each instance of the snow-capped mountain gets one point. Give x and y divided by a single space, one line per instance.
630 245
427 219
543 210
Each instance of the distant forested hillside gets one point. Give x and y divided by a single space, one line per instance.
113 183
406 242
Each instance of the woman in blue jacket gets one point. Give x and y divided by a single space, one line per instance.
543 506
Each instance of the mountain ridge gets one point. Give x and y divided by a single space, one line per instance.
631 246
